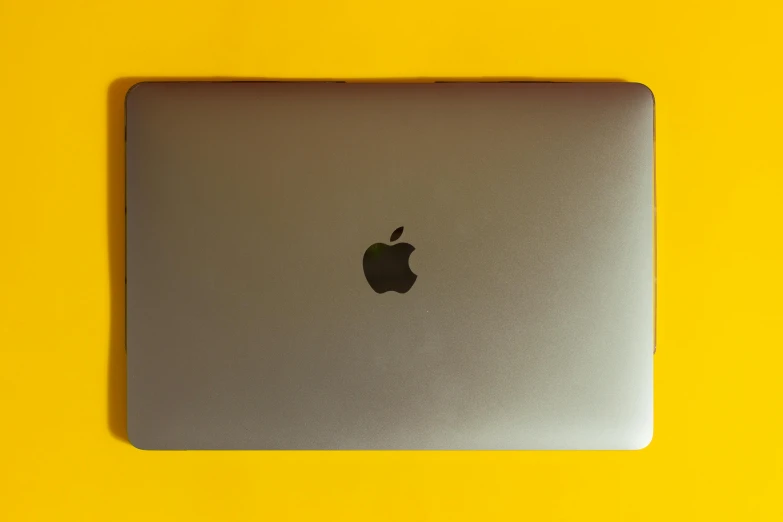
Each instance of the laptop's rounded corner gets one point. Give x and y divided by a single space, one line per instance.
643 441
134 90
137 441
644 90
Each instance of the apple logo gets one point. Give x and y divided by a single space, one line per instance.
386 266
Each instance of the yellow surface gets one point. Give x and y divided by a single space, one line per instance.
715 70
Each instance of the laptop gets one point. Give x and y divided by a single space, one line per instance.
330 265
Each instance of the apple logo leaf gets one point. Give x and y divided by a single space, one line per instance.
396 234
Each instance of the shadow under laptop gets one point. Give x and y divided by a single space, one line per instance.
115 184
117 377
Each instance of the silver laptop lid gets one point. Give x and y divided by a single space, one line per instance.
269 300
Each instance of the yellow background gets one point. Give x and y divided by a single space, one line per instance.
715 68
